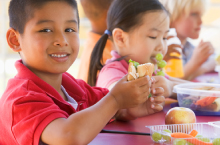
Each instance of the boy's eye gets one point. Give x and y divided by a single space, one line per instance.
69 30
45 30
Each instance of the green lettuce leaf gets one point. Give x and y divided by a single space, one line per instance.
134 62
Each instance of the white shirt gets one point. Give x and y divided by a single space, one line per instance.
70 100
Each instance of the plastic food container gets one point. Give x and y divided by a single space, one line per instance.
217 69
199 96
207 132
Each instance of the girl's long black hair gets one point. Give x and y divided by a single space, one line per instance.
123 14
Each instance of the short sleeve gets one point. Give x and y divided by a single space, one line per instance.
31 114
111 73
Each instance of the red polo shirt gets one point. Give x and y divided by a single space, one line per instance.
29 104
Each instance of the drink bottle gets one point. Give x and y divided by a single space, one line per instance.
174 67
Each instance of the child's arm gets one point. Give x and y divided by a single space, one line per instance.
199 57
83 126
206 67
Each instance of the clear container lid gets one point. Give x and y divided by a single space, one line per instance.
195 89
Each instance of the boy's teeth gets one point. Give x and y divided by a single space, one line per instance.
58 55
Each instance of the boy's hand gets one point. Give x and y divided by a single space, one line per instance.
131 94
202 53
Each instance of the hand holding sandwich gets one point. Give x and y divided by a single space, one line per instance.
130 94
152 103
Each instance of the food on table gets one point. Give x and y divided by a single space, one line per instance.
179 142
189 143
165 136
180 138
156 136
204 139
206 103
217 67
193 133
216 141
190 138
199 136
217 59
214 106
136 70
205 88
180 115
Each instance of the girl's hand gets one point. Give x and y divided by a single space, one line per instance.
201 53
152 105
167 85
131 94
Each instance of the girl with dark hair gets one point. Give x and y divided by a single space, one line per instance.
138 29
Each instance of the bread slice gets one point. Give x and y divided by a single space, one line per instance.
141 71
131 72
145 69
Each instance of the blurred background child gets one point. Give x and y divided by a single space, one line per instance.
139 33
185 17
96 12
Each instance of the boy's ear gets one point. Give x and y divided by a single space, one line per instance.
12 39
119 37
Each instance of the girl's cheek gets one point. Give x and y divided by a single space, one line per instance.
165 48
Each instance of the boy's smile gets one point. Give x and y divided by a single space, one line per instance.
50 41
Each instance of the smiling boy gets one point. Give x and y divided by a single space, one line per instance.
43 104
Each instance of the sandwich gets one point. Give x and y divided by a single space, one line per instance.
136 70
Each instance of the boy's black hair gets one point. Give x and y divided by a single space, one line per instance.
123 14
20 11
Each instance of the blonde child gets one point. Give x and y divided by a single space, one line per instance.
139 34
186 19
43 104
96 12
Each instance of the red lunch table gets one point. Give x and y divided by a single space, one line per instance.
139 124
